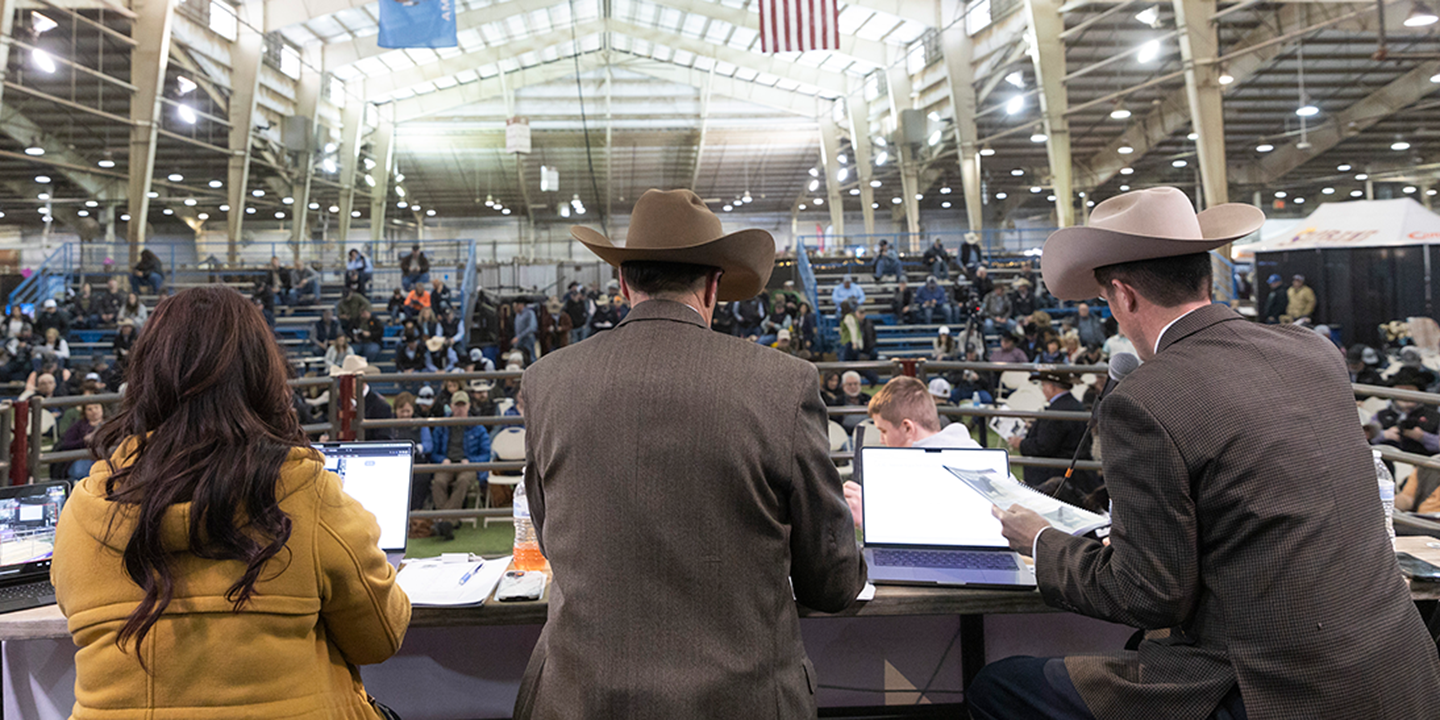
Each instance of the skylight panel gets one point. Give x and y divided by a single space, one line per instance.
559 15
493 34
620 42
719 31
623 9
551 53
693 26
346 72
590 43
765 79
396 61
539 21
528 59
488 70
515 26
876 29
640 47
446 82
356 18
724 68
852 17
813 58
465 77
683 57
404 93
909 31
703 62
371 66
587 9
509 65
670 19
662 53
790 85
745 74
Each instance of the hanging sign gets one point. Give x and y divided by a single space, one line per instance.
517 135
417 24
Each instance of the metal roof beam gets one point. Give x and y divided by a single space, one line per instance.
420 106
283 13
826 80
347 52
1347 123
380 86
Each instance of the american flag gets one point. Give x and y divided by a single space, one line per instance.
798 25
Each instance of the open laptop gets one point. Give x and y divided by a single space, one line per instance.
923 526
28 514
377 474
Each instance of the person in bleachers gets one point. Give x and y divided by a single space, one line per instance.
1071 346
934 303
448 445
830 390
90 384
1052 353
337 352
51 317
972 385
280 284
1408 425
971 255
327 328
605 317
1299 299
887 262
1091 355
107 305
1117 343
54 349
1419 492
1022 298
367 335
906 415
1052 438
806 327
997 312
358 272
527 327
481 404
1089 326
1275 301
349 309
1009 350
405 409
376 407
17 321
851 340
43 385
395 307
440 296
556 333
122 344
425 402
18 352
477 362
847 291
83 308
944 347
1361 361
427 323
749 314
902 304
134 311
306 281
723 321
777 320
77 437
414 269
440 356
410 356
982 282
147 272
417 300
450 328
938 260
851 396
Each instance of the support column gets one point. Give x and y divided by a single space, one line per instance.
900 88
307 105
148 59
349 159
7 30
829 152
1048 53
959 52
383 144
1199 46
864 167
245 57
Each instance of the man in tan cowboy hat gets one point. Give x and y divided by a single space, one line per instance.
676 524
1248 542
376 408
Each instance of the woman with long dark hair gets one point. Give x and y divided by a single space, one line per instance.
211 566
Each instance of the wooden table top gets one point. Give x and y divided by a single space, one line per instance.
47 622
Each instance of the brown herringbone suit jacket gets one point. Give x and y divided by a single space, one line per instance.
680 480
1247 522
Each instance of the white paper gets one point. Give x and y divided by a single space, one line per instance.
433 582
1004 492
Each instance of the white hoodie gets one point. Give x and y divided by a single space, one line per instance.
954 435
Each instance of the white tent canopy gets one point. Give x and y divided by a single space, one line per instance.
1358 224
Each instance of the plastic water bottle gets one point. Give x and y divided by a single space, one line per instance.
1387 494
527 544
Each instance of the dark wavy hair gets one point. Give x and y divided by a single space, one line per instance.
207 419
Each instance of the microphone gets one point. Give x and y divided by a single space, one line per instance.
1121 364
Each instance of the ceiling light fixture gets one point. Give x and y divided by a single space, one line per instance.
41 24
1017 172
882 157
1127 171
186 84
1039 138
42 61
1120 112
1264 146
1001 195
1014 105
1421 16
987 151
1399 145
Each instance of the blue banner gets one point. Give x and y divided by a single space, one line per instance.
417 23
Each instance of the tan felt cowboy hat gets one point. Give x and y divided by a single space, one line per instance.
675 226
434 344
1141 225
354 365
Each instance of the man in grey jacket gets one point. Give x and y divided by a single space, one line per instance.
678 525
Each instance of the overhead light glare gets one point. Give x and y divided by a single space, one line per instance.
1343 167
1421 16
874 183
1127 171
1125 149
1039 138
42 179
1014 105
1307 110
41 24
1178 163
106 163
1149 16
1399 145
34 151
882 157
1264 147
216 184
1148 51
1001 195
187 114
1120 113
175 177
42 61
987 151
1017 79
1225 78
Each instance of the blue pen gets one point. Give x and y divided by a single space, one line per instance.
466 577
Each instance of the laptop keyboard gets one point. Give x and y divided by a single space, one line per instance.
953 559
28 595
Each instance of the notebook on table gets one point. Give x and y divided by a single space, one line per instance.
923 526
28 514
377 475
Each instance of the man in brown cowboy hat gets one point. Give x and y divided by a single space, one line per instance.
1248 540
677 523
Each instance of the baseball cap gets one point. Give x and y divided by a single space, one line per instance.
48 303
944 329
1274 278
940 388
92 376
460 396
476 354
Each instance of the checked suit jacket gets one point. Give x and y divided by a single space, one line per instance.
680 480
1248 537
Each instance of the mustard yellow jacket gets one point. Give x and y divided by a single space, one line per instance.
323 605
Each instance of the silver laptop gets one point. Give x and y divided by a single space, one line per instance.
923 526
377 474
28 514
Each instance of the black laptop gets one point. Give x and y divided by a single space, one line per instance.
28 515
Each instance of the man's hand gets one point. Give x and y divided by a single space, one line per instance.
1020 525
853 496
1015 442
1413 433
1392 434
446 461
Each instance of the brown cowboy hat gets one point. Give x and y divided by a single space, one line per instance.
675 226
1141 225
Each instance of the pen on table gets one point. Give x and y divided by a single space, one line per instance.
466 577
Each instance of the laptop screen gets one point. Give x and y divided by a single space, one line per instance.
911 499
377 474
28 514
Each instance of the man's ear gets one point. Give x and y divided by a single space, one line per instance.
908 426
712 287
